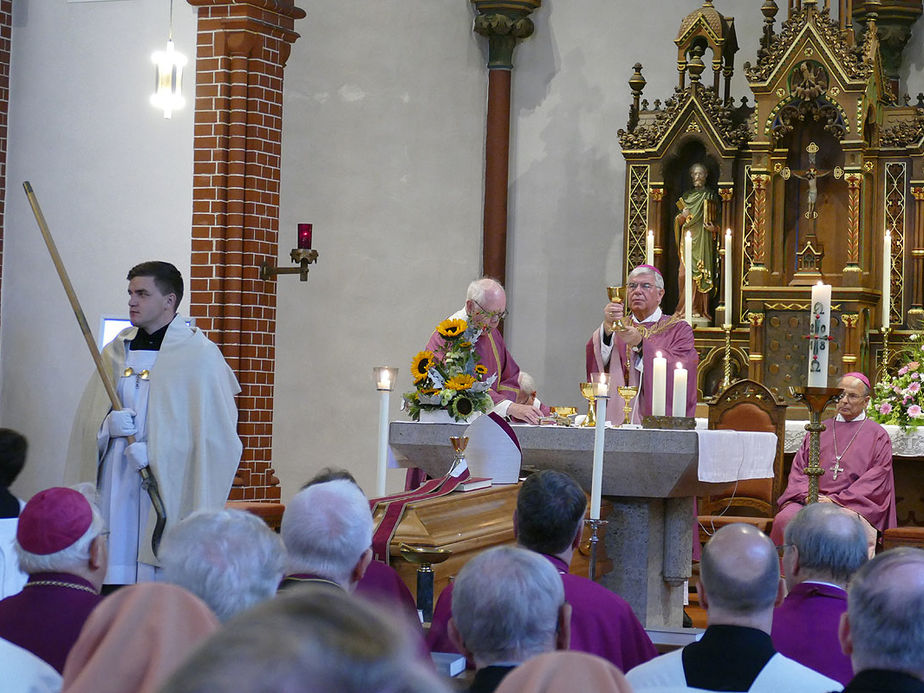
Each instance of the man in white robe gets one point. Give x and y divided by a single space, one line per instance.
177 394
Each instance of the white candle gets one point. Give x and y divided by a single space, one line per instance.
596 481
728 276
383 444
649 248
659 385
679 403
688 278
886 278
819 328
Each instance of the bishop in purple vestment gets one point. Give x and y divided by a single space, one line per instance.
60 544
856 454
628 351
825 545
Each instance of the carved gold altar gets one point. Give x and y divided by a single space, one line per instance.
808 177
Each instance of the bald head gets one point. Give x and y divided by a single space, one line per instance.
740 573
825 543
884 627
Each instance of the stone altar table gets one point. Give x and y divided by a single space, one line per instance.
649 476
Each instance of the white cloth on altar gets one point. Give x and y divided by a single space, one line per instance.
491 452
733 455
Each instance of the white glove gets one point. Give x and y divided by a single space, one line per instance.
137 455
121 423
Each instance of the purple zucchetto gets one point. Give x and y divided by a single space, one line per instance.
53 520
859 376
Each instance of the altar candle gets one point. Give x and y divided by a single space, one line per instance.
384 383
679 404
687 279
886 279
728 276
659 386
649 248
819 329
596 481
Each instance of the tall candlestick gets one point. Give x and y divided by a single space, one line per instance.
649 248
687 279
596 481
659 385
728 276
819 330
384 383
679 403
886 279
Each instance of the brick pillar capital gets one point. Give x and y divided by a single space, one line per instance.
503 22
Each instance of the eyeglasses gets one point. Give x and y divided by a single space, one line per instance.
851 397
647 286
490 315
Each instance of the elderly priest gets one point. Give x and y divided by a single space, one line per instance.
627 348
856 455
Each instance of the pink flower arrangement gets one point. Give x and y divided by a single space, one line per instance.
898 397
914 411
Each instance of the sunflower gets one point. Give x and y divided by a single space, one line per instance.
420 365
465 345
461 407
428 391
463 381
452 327
481 369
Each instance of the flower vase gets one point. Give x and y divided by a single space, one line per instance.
443 416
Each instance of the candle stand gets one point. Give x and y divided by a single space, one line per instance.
595 526
726 381
816 399
886 331
301 256
424 557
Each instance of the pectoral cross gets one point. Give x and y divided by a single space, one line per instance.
835 470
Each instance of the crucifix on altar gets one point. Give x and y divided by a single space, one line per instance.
812 251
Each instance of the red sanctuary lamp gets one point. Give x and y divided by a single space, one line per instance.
302 255
304 236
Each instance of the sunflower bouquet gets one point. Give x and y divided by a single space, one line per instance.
899 399
450 377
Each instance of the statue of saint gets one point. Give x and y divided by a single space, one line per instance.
698 212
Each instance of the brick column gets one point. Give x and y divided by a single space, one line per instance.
6 23
242 48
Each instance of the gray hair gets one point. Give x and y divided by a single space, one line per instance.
311 639
735 579
74 556
478 289
831 541
229 559
326 529
526 382
885 608
658 279
505 604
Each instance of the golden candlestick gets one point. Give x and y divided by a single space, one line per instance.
726 381
886 331
587 390
816 399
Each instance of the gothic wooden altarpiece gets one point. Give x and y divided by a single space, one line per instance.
808 179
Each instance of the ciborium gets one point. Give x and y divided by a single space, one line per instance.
587 390
628 393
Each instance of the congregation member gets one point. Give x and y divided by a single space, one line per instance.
177 395
739 586
229 559
549 520
380 583
136 638
625 347
60 543
856 454
33 675
883 629
554 672
508 605
485 306
824 546
327 532
310 640
13 448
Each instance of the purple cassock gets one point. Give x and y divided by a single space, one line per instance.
46 617
602 622
669 335
805 629
862 480
382 585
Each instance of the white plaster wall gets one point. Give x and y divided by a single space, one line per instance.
382 150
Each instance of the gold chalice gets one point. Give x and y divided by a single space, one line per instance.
562 415
587 390
616 294
628 393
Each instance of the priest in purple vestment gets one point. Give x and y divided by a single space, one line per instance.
549 520
485 307
856 454
626 348
825 545
61 545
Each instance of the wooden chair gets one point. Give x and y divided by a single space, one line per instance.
746 405
903 536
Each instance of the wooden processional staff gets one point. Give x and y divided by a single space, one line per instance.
148 482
